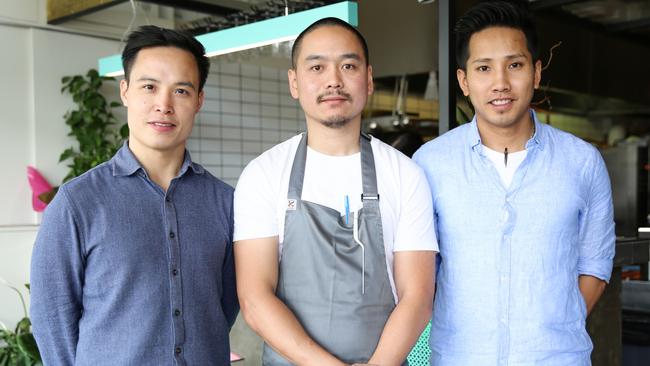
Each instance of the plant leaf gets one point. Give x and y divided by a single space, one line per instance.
27 345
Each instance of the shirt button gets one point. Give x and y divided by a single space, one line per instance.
177 312
174 272
177 350
172 235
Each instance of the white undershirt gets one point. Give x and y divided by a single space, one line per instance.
506 172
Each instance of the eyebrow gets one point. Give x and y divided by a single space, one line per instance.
188 84
509 57
344 56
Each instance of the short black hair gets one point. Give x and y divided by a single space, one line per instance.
332 22
495 13
148 36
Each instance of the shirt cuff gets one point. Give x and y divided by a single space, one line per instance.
599 268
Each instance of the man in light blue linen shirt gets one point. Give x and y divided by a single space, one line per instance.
523 211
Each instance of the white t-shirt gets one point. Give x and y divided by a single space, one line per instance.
506 172
405 198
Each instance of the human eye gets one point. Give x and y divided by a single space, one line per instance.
316 68
516 65
182 92
482 68
349 67
147 87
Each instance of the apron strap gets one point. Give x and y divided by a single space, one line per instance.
370 195
298 170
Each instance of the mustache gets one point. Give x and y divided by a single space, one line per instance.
337 93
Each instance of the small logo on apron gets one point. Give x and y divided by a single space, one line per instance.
291 204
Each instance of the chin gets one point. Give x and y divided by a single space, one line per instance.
335 122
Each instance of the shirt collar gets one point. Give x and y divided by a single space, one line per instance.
474 138
124 163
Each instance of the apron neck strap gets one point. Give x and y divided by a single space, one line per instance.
368 172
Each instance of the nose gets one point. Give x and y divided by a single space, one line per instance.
334 79
501 81
163 103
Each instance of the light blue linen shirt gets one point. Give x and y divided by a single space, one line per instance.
507 285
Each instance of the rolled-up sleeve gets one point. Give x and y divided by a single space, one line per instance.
57 269
597 236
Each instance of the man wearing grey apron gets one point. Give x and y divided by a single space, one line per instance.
348 217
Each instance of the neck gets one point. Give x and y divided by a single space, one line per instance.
334 141
161 165
513 137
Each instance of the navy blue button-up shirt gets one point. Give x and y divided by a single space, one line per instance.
507 285
126 274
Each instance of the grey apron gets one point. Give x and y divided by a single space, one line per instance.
333 275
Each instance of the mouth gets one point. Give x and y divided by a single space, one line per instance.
162 126
501 103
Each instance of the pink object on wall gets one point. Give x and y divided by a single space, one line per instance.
39 185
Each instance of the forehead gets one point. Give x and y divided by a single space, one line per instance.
495 42
166 60
330 39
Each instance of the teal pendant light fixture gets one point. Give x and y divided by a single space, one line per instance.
258 34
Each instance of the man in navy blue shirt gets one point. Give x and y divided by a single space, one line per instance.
133 262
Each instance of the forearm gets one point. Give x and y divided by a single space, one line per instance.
591 288
55 315
275 323
56 283
415 282
402 330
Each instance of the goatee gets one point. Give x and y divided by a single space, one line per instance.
335 122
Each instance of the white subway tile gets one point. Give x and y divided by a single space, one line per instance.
251 109
269 73
269 86
250 83
250 70
251 121
271 135
250 96
230 133
271 123
231 159
230 120
230 107
210 158
230 146
251 147
231 81
251 134
231 94
288 112
229 68
270 111
212 132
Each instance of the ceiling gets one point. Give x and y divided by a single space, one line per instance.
621 19
626 18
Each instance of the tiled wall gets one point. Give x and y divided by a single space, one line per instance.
247 110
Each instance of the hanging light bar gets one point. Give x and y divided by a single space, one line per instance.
258 34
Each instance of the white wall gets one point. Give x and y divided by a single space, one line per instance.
57 55
33 133
16 124
15 252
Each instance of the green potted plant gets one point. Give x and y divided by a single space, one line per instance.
18 347
92 124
